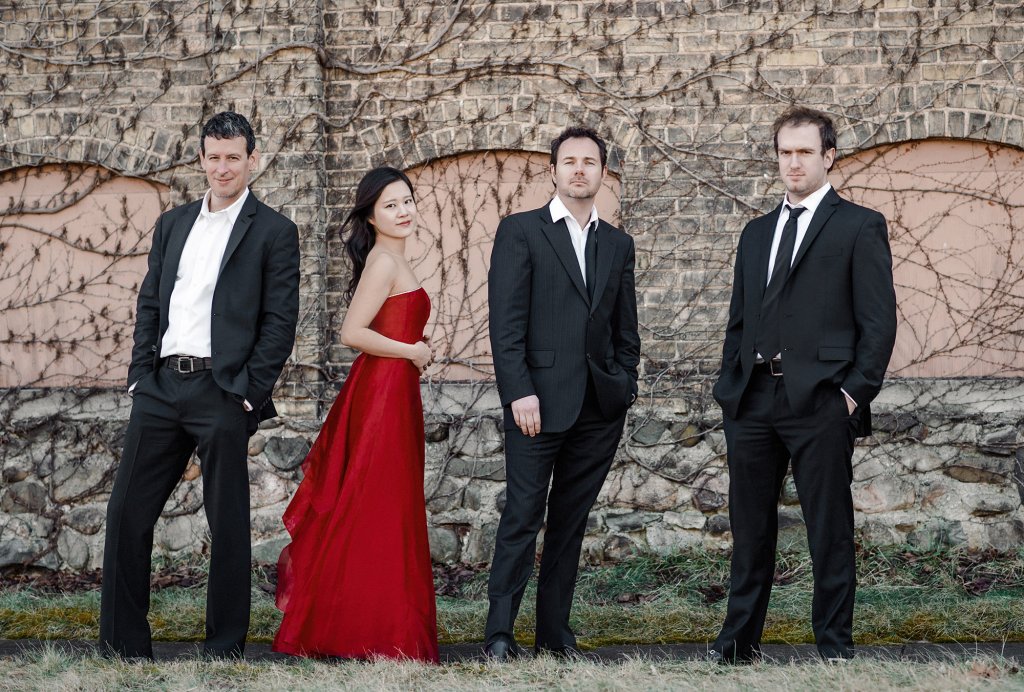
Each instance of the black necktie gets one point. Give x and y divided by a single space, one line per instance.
769 333
590 259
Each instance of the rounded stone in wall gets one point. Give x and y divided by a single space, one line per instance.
879 532
444 544
444 495
24 496
478 437
87 519
718 524
267 520
286 453
176 533
266 488
883 494
187 498
491 468
617 548
16 469
685 520
711 494
435 431
993 504
1005 536
45 466
72 549
21 551
480 543
663 539
266 552
937 533
981 469
76 478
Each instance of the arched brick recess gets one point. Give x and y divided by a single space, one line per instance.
139 150
74 250
956 228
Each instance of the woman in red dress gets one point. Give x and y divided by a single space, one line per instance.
356 580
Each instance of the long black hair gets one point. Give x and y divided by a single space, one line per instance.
361 235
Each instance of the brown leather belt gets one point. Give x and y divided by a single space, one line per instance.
188 364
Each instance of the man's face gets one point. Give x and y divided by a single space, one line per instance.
577 172
802 165
228 168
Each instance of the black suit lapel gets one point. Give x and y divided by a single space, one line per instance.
242 224
172 254
605 255
821 215
558 235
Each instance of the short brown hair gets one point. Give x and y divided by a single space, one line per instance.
573 133
799 115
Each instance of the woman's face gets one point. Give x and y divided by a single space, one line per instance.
394 212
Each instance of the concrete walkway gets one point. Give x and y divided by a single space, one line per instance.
455 653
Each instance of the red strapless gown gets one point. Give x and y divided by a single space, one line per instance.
356 580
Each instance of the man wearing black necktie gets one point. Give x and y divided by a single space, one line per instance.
566 348
812 324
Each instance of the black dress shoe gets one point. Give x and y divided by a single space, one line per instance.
713 656
502 649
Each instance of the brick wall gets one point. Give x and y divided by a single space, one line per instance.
685 91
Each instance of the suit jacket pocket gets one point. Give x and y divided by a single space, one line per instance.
540 359
835 353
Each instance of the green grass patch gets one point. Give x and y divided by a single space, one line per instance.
903 596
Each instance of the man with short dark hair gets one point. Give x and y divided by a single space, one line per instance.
215 323
812 324
564 335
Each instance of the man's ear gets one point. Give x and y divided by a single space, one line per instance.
830 158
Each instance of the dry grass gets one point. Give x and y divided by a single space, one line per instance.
56 671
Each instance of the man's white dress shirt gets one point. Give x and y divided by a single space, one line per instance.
577 235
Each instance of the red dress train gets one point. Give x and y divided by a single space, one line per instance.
356 580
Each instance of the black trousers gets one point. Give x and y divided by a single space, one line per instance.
575 463
172 415
761 442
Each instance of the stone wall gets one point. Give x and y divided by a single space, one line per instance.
949 473
685 91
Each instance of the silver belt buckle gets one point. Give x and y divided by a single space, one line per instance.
191 365
771 368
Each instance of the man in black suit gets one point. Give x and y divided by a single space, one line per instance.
812 324
215 323
566 348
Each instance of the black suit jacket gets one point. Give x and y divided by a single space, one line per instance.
838 309
546 335
255 302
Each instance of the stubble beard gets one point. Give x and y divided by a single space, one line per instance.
586 193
